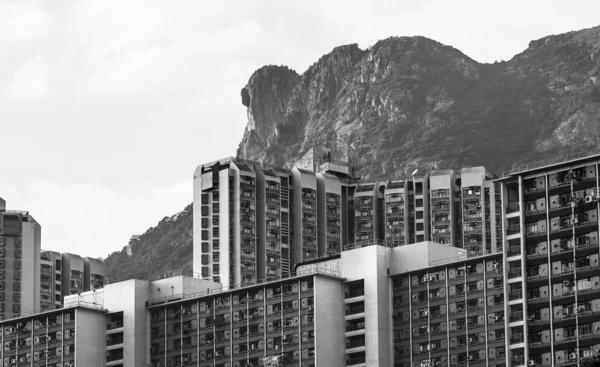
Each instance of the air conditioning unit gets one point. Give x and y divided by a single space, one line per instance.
529 318
588 199
566 283
531 362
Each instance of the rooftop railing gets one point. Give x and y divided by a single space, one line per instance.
239 287
550 161
360 244
72 304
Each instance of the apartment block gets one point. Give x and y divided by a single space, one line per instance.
20 246
480 207
329 214
48 338
397 215
304 209
445 208
451 313
73 269
50 280
421 207
79 275
241 221
368 213
550 221
93 274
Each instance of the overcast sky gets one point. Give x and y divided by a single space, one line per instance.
107 107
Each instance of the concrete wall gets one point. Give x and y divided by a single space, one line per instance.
90 338
329 319
178 285
196 220
371 264
30 270
419 255
130 297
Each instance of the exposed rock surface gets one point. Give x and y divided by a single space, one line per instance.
409 102
403 103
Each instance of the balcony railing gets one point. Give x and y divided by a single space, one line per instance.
517 338
513 229
512 207
515 294
355 310
514 273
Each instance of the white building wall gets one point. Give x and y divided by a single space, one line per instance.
30 271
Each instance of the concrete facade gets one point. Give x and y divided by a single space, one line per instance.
20 247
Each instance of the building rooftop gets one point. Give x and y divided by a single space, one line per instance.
260 283
548 163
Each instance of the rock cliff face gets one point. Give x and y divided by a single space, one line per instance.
411 102
404 103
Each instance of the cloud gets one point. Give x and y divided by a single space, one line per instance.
153 47
91 220
20 22
31 81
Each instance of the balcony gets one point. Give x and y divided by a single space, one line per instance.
114 343
512 207
516 316
514 250
355 311
518 360
515 294
514 273
517 338
114 326
356 361
355 346
513 229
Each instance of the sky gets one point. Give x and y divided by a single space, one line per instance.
107 107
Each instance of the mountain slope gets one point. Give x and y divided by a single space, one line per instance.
411 102
164 250
404 103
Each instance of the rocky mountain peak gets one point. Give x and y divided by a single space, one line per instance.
413 102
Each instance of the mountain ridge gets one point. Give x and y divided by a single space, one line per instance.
401 104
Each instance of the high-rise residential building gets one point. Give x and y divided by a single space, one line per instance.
242 221
397 230
51 280
93 274
444 197
529 297
550 221
20 246
72 274
481 213
330 222
368 213
304 209
49 338
81 274
421 207
254 222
